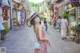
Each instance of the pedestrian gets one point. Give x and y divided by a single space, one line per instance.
64 25
41 43
45 23
58 25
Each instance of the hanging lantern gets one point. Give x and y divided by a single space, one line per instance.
70 6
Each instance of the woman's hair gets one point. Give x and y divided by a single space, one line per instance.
33 21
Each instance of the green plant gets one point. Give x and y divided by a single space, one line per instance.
32 4
47 1
77 27
6 30
78 21
66 14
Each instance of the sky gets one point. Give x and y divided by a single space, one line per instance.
36 1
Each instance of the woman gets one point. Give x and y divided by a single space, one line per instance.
64 25
58 23
40 35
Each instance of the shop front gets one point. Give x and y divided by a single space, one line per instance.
14 17
72 17
18 14
6 12
73 11
19 17
14 14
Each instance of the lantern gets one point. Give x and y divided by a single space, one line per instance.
70 6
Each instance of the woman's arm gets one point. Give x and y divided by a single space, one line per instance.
40 35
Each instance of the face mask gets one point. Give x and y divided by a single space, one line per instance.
37 20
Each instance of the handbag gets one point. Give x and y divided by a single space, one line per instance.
37 45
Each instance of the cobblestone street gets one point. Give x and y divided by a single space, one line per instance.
22 39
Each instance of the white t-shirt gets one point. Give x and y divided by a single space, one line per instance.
64 23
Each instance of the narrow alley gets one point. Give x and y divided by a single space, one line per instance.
22 39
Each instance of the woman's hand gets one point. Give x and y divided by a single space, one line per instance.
48 42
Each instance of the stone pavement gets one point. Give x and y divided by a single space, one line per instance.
61 46
22 39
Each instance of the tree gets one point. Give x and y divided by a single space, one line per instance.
32 4
47 1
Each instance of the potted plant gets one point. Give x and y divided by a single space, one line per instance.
77 29
5 33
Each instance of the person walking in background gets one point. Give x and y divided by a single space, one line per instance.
64 25
58 25
41 45
45 23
